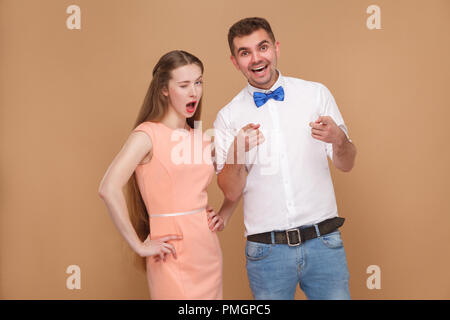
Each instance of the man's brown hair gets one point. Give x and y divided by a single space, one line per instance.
247 26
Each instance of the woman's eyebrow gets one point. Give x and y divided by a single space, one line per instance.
187 81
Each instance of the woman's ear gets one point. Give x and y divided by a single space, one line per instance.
165 92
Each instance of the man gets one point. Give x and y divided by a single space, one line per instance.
272 142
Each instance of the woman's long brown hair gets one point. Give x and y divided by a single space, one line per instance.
154 109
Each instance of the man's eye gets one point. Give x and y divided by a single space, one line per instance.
264 48
244 53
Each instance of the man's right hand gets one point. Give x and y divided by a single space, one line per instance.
251 135
233 176
247 138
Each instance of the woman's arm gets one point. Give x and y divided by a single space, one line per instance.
136 148
218 221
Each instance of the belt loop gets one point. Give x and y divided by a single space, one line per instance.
272 237
317 229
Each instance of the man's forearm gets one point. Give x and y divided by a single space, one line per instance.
232 180
344 154
233 176
227 209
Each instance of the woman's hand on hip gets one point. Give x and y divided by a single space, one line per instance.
159 248
215 221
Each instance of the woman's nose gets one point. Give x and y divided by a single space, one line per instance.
193 92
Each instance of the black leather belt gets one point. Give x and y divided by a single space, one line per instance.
296 236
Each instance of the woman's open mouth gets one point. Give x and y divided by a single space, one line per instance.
190 107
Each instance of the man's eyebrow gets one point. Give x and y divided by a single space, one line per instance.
242 49
262 42
258 45
187 81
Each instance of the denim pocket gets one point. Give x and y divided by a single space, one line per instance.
332 240
257 251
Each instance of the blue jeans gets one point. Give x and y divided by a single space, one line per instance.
319 266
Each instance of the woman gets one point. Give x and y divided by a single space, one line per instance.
172 229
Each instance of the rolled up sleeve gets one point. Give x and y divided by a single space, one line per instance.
331 109
223 138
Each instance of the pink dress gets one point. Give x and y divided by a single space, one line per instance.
173 186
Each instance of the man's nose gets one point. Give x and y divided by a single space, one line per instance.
255 57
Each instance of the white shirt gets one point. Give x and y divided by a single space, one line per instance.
289 182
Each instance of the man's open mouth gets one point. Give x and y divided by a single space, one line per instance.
259 69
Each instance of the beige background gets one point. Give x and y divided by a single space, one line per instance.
69 99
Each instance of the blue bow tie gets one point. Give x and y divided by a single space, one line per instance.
261 98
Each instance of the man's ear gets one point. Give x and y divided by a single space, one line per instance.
277 48
233 59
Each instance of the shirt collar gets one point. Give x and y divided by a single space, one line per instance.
279 82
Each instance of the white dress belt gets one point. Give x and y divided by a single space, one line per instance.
173 214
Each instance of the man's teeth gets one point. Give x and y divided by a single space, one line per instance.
259 69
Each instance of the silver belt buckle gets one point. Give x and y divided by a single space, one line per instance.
289 241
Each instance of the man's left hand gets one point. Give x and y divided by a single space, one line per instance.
326 130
